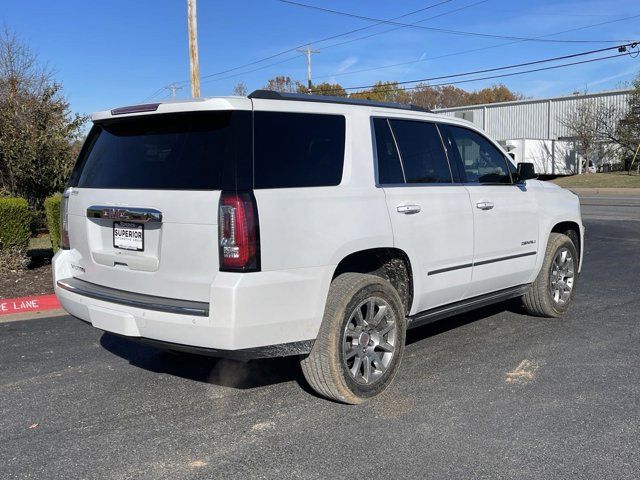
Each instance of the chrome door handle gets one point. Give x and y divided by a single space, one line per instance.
484 205
408 209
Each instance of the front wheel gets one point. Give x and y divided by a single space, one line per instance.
361 339
552 292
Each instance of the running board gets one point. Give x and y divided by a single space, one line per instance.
462 306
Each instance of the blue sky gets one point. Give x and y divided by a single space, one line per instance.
111 53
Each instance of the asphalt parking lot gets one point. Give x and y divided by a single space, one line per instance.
490 394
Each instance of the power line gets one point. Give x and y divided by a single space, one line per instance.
442 2
293 49
348 41
341 43
441 30
154 94
506 67
512 74
174 89
584 27
235 75
157 92
409 24
463 52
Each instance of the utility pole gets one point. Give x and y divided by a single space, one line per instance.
193 48
174 89
308 52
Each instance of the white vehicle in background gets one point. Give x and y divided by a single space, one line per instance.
284 224
591 168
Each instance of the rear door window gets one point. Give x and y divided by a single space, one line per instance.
421 151
298 149
389 166
182 151
481 160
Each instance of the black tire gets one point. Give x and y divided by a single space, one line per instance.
327 369
539 300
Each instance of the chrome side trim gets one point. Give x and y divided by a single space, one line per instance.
144 215
131 299
482 262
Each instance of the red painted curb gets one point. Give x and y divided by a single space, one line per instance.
29 304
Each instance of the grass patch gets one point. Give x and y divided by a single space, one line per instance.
39 251
41 242
600 180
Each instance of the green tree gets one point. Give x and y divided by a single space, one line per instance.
385 92
37 128
324 88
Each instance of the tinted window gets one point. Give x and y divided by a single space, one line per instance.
421 151
202 150
298 149
482 161
389 168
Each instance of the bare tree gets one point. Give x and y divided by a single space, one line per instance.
240 89
282 84
584 125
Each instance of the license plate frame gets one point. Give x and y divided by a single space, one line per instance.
133 245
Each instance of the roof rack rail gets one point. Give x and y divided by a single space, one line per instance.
303 97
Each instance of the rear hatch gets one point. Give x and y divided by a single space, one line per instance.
143 208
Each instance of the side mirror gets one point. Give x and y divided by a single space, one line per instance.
526 171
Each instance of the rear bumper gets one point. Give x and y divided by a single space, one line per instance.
268 351
261 314
131 299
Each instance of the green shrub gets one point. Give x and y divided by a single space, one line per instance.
15 223
52 211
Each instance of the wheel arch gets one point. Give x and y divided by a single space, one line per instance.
390 263
572 230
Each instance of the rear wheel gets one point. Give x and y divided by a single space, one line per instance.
361 339
552 292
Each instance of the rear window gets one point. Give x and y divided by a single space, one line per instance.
187 151
298 149
213 151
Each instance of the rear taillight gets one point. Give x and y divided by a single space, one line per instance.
238 232
64 220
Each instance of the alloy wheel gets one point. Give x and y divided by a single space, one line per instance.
561 276
369 340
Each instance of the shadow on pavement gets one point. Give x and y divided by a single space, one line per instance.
258 373
218 371
441 326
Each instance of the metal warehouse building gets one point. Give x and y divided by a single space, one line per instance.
533 131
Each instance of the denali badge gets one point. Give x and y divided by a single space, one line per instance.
528 242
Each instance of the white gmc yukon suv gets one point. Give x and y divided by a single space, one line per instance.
284 224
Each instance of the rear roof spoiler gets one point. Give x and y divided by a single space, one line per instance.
145 107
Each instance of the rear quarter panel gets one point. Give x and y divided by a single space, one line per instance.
319 226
